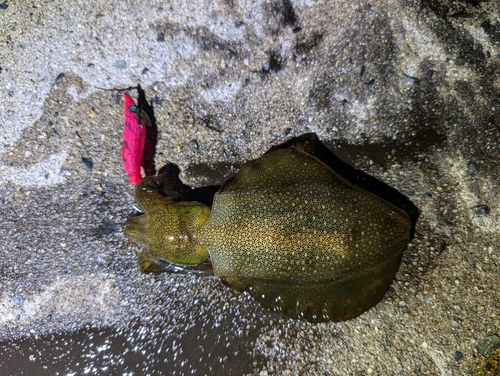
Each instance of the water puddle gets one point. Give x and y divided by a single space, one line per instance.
199 350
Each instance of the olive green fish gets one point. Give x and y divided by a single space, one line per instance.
298 237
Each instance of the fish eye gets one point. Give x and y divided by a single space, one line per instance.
133 108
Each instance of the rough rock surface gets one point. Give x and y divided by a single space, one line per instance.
407 91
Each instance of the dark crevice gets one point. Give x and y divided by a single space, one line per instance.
148 158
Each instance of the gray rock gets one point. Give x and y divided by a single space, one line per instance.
120 64
488 345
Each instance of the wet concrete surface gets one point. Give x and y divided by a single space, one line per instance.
407 92
198 350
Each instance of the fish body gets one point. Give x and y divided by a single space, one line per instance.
297 236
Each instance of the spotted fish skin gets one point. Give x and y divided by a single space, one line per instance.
168 228
302 240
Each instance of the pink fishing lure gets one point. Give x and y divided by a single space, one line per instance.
134 139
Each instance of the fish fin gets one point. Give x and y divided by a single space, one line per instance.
336 299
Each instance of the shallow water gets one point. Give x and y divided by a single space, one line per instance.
140 350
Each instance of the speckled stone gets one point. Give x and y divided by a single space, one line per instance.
488 345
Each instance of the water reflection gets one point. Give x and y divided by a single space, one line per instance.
203 348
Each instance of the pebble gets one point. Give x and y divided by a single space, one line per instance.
88 163
120 64
59 77
471 169
488 345
481 210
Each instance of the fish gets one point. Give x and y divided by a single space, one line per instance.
135 121
287 229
